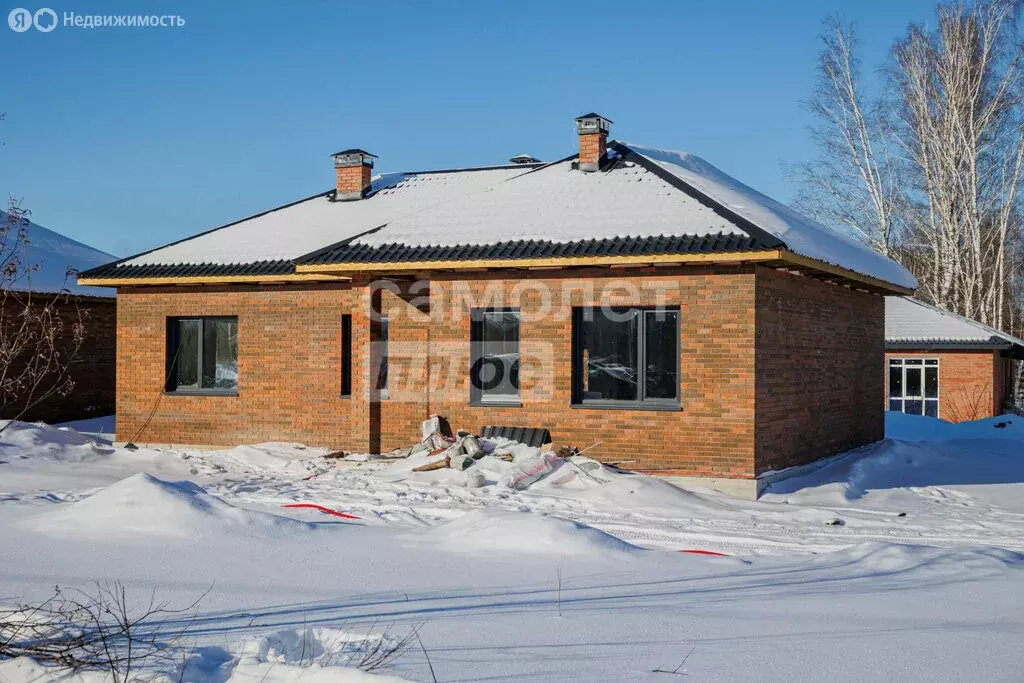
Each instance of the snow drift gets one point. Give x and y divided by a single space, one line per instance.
145 505
495 531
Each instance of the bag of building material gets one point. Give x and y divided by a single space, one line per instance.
472 447
529 467
460 462
431 426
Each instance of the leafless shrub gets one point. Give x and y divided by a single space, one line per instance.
38 342
77 630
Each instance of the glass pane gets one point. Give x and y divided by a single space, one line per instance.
896 404
931 408
913 407
932 361
496 370
610 356
220 354
187 354
662 354
896 380
382 376
912 361
913 382
931 382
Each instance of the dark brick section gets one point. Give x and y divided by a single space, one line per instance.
93 370
819 358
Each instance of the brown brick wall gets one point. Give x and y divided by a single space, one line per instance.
92 371
971 383
713 434
819 364
289 365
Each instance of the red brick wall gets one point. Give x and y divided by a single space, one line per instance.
713 434
819 361
92 371
289 367
971 383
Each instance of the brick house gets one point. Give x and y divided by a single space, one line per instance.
945 365
629 296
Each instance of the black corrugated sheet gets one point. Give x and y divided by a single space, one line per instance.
529 249
112 270
393 253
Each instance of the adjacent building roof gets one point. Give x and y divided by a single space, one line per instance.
643 201
913 324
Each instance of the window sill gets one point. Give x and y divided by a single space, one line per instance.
201 393
496 404
671 408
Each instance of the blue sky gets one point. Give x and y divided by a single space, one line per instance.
127 138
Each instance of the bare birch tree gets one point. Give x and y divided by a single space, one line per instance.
958 92
929 170
853 182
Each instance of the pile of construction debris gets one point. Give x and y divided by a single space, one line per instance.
523 465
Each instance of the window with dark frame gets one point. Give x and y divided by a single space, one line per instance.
914 386
346 355
626 357
202 355
494 356
382 355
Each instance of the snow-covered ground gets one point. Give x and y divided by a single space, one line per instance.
904 559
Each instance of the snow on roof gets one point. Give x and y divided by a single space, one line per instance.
910 320
296 229
558 204
55 254
801 234
645 195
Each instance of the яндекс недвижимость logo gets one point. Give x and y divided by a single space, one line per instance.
45 20
21 19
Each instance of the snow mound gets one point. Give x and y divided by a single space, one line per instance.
495 531
41 439
145 505
920 428
886 558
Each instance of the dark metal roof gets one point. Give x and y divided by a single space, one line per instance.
592 115
113 270
949 344
531 249
354 150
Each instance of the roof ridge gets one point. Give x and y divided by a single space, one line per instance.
762 236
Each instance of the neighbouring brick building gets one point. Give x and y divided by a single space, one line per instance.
634 297
945 365
91 371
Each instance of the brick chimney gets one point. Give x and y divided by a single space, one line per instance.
353 168
593 130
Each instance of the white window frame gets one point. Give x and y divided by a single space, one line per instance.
922 362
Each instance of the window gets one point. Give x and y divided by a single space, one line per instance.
346 355
202 355
382 351
626 357
494 356
914 386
